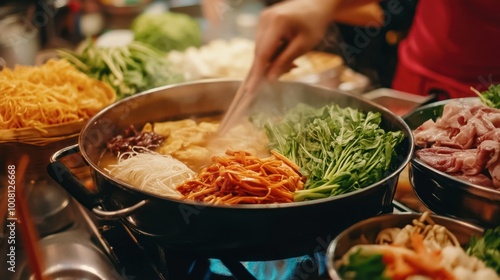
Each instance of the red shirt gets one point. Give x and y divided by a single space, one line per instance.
451 46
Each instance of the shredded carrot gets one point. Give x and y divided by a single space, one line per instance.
241 178
396 266
420 261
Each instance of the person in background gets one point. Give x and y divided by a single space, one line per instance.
369 14
376 58
372 50
451 45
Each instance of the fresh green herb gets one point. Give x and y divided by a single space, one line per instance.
490 97
487 248
363 267
339 150
129 69
167 31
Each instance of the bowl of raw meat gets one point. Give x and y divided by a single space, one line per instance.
455 169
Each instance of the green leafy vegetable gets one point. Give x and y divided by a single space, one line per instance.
167 31
128 69
487 248
490 97
363 267
339 150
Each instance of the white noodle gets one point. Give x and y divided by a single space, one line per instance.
151 172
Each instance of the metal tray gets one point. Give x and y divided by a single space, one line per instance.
398 102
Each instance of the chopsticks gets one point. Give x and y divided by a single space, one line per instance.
244 95
246 92
29 234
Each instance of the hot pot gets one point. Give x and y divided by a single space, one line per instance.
245 231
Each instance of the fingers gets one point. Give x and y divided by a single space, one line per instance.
285 32
271 39
280 39
284 61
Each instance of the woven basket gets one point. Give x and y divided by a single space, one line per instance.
39 143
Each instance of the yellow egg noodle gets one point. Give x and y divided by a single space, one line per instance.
41 97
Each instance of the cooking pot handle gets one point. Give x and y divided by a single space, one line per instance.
117 214
63 176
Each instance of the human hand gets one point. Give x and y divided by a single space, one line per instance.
286 31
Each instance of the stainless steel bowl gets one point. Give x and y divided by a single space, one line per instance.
71 255
367 230
445 194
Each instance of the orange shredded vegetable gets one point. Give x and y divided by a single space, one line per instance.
422 262
241 178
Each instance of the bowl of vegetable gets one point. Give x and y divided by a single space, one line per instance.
455 169
399 246
128 66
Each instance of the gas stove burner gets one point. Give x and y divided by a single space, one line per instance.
138 255
120 253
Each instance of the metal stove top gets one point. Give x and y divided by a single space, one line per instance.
140 257
87 248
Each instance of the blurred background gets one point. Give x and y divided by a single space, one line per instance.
29 28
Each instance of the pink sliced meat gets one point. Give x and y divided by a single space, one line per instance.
468 162
460 138
486 155
464 141
479 179
491 149
491 135
444 159
455 115
428 134
458 126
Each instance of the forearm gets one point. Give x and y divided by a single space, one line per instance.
370 14
354 12
291 28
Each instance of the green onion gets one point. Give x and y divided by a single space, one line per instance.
363 267
490 97
128 69
487 248
339 150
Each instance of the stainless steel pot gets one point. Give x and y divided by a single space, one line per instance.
248 231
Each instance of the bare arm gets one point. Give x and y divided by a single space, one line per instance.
368 14
289 29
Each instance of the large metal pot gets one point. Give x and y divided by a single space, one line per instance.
244 231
